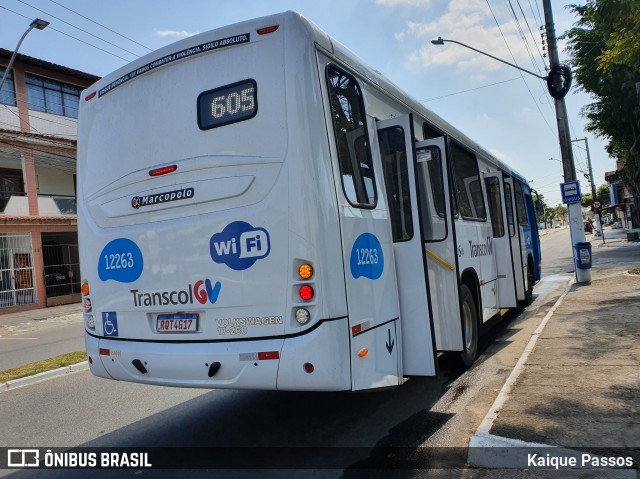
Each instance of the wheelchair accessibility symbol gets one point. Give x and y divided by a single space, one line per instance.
110 323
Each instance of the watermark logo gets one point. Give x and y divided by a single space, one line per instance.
23 458
239 245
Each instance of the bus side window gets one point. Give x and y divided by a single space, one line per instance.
520 209
431 189
509 208
352 142
396 177
467 184
495 206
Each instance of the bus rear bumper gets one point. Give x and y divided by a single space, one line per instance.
268 364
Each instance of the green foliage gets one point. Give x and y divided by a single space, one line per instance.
604 45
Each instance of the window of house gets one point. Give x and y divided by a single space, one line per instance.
352 141
52 96
8 92
467 184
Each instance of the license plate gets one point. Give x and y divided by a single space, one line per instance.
177 323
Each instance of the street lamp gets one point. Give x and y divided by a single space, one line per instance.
440 41
37 24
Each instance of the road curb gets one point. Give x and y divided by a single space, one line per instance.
482 439
54 373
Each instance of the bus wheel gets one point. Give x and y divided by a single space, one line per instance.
469 316
528 294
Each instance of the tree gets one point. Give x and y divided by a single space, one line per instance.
561 212
548 212
604 45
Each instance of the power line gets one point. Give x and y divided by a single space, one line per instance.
470 89
523 36
70 36
532 35
78 28
538 19
100 24
521 75
19 148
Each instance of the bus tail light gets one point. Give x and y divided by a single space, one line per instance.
306 292
305 271
91 322
267 30
163 171
85 288
90 96
302 316
308 368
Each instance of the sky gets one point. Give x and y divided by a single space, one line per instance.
508 113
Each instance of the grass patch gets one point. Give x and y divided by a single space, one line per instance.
634 271
42 366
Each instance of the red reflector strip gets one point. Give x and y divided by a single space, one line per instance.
163 171
358 328
268 355
105 352
90 96
266 30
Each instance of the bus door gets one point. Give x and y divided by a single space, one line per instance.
503 252
395 138
440 244
514 237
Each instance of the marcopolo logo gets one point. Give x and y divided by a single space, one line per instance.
239 245
139 201
202 291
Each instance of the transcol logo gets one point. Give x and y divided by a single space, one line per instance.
485 249
239 245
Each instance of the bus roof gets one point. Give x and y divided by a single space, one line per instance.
246 32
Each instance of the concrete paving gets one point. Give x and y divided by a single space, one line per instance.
579 388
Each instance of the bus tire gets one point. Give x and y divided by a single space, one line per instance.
469 318
528 294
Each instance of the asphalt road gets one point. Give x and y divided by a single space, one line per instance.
38 344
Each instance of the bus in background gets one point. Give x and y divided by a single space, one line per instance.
259 209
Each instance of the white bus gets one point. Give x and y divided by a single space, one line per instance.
259 209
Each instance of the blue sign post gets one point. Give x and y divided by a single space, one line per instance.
570 192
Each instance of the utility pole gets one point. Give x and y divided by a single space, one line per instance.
575 212
599 230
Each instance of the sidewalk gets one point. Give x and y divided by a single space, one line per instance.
36 319
579 388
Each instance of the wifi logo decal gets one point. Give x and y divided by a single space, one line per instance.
239 245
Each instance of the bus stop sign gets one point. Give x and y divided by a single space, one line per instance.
570 192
